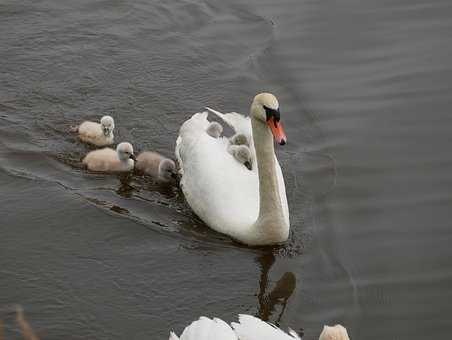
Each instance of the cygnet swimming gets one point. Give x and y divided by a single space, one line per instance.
109 160
214 129
99 134
160 168
242 154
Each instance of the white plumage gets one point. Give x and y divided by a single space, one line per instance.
223 192
252 328
206 329
248 328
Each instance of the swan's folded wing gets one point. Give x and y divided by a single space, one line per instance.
252 328
206 329
239 123
189 134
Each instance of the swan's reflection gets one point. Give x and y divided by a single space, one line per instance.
279 295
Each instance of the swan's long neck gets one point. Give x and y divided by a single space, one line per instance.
270 225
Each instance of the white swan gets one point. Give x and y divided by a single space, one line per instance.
248 328
109 160
95 133
160 168
249 206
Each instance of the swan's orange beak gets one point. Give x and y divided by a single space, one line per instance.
277 130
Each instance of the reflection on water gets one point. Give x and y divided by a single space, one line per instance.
125 189
278 295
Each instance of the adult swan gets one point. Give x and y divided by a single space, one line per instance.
248 205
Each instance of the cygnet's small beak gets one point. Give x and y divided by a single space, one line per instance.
106 131
277 130
132 156
248 165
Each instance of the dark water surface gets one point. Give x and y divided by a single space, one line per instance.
365 91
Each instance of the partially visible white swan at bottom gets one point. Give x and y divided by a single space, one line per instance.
248 328
250 206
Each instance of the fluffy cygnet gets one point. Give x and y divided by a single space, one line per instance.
239 139
242 154
157 166
214 129
99 134
109 160
337 332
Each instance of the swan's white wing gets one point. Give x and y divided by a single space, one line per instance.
220 190
252 328
206 329
236 121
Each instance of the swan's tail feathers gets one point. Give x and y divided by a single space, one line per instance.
73 128
219 114
225 117
252 328
196 122
207 329
173 336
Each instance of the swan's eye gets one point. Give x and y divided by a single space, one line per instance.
272 113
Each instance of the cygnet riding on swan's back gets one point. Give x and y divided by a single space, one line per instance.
239 144
242 154
239 139
248 328
157 166
214 129
95 133
109 160
250 206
